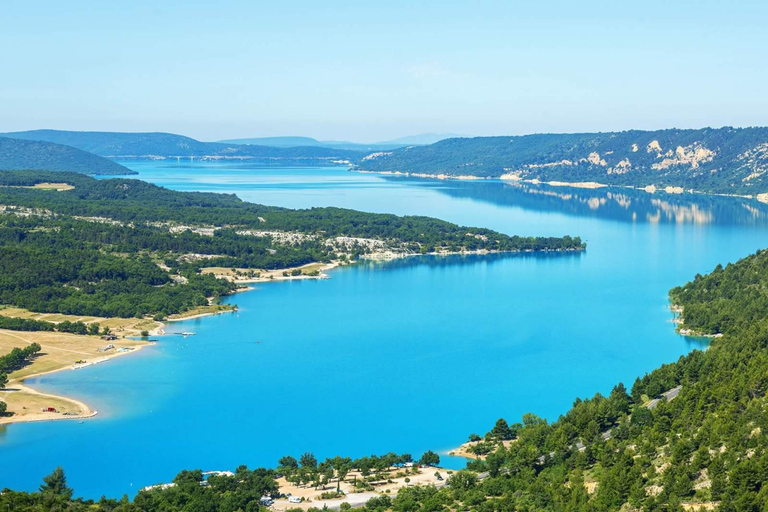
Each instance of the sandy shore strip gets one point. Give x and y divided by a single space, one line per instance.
243 275
66 408
465 450
61 350
25 403
763 198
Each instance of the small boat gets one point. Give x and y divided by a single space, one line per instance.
188 334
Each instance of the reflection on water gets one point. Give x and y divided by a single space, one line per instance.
627 205
451 260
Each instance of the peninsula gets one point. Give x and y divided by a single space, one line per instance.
130 255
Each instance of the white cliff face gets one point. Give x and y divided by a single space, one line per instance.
623 167
378 154
692 155
594 159
653 147
755 160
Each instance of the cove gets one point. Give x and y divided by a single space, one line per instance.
402 356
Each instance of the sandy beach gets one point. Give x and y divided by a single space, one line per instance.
59 352
465 450
242 275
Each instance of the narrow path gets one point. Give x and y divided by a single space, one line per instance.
47 347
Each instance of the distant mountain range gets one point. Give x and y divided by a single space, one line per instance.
142 145
18 154
723 160
286 142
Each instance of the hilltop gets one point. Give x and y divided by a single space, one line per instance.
22 154
158 144
723 160
291 141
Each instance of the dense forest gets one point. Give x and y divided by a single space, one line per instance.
128 248
724 160
729 299
630 450
25 154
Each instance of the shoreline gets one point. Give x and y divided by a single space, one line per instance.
85 412
18 385
464 449
651 189
276 275
679 320
389 255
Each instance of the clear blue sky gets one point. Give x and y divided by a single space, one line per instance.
366 71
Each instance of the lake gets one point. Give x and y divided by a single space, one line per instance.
402 356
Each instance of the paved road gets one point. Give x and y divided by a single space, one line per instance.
669 395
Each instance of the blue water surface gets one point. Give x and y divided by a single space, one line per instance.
404 356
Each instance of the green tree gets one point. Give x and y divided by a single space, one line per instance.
56 484
308 460
462 480
501 430
287 464
429 458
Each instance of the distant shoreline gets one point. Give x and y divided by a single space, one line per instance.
651 189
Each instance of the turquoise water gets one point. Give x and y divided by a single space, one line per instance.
404 356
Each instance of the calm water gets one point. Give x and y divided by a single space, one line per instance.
405 356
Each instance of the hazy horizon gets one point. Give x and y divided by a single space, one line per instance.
366 73
390 140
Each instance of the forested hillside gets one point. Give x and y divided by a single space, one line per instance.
126 145
128 248
730 299
724 160
23 154
688 436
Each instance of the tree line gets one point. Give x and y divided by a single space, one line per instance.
16 359
105 248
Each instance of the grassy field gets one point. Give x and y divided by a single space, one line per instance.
59 352
120 326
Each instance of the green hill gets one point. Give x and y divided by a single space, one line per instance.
101 234
22 154
120 144
277 142
292 141
724 160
